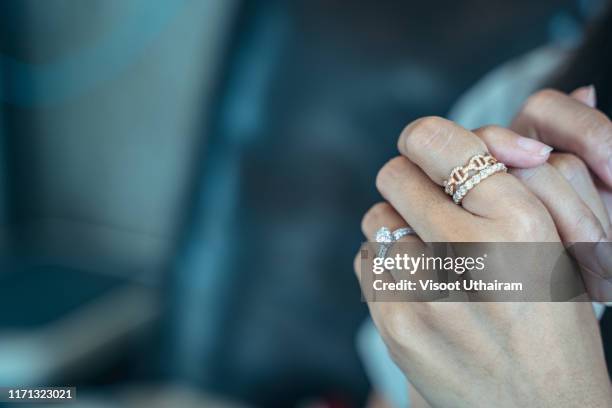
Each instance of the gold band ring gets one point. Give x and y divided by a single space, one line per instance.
464 178
460 174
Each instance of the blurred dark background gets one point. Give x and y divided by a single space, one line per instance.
182 182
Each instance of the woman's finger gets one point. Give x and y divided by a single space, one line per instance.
513 149
569 125
420 202
577 225
384 215
518 151
577 175
381 215
437 146
502 143
598 257
574 219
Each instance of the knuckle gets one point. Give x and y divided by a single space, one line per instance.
534 175
379 210
390 171
569 165
540 99
597 134
374 215
394 327
397 327
488 130
587 226
529 220
426 133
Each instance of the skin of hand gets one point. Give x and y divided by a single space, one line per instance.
480 354
568 123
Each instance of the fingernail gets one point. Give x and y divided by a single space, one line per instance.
591 97
533 146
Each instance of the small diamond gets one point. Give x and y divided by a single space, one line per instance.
384 235
477 178
468 184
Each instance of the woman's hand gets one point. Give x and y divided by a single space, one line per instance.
571 124
485 354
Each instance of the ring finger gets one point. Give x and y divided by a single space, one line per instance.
437 146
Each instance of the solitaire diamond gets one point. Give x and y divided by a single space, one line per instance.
384 236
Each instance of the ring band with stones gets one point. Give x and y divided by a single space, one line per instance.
385 238
402 232
477 178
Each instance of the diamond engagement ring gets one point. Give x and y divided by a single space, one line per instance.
464 178
402 232
386 238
